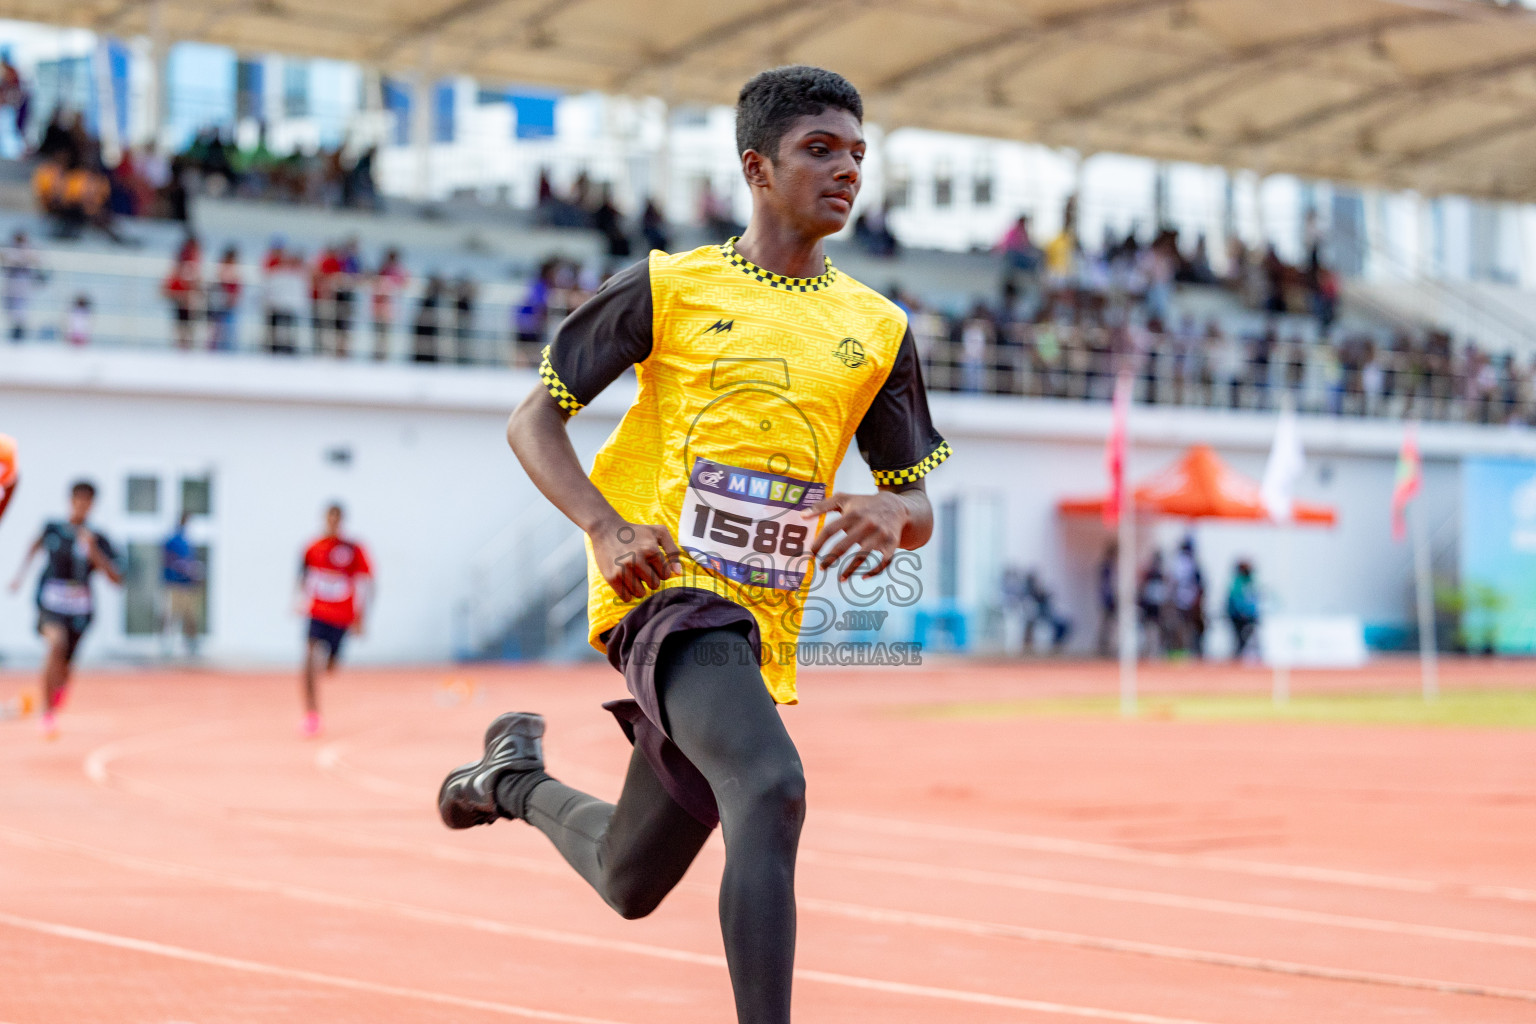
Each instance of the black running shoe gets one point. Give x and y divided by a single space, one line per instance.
468 796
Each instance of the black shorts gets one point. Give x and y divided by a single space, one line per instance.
634 648
329 635
74 628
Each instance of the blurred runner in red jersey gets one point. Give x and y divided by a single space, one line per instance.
335 588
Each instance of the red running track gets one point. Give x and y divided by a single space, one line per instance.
180 856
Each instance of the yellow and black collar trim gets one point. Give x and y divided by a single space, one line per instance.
791 284
896 477
557 389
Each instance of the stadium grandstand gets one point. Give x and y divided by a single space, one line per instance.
1245 206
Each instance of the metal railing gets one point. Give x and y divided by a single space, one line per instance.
1081 363
127 305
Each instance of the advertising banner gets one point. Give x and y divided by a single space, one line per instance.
1498 555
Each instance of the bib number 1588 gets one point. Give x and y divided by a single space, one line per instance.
769 536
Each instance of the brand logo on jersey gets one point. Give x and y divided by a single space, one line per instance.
719 327
341 555
711 477
850 353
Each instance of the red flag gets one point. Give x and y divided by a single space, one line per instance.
1410 471
1114 449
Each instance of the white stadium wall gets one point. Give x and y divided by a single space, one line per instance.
428 484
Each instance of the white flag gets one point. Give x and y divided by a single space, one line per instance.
1286 462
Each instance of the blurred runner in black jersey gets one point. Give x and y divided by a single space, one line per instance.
72 552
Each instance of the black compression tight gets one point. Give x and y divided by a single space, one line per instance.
635 851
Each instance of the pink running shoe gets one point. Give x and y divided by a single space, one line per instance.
309 728
50 726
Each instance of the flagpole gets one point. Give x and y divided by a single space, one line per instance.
1281 690
1423 583
1125 601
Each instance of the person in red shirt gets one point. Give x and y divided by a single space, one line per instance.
335 587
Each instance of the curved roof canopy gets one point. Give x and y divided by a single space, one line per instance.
1201 486
1437 95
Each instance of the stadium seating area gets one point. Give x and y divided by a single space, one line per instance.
488 287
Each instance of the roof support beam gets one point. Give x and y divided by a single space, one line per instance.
1247 61
1463 141
1411 95
452 15
1046 30
710 37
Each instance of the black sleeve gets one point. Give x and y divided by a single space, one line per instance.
896 436
107 550
602 338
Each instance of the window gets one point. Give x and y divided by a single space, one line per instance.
981 185
144 494
295 88
898 192
197 495
943 186
442 112
250 91
397 100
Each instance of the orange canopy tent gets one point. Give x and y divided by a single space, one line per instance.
1201 486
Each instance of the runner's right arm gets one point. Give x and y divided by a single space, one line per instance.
21 571
600 340
5 495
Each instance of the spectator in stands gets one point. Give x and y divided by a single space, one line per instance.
978 333
1197 268
872 231
287 281
430 315
365 191
464 292
1061 254
532 316
349 271
324 279
654 227
22 277
1243 609
183 288
610 222
224 299
77 322
1018 249
15 95
716 214
389 282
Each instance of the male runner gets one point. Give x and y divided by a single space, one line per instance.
758 363
9 474
73 551
335 589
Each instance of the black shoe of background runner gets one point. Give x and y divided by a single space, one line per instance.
468 796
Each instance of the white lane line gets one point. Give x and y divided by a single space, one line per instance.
1176 901
833 908
332 760
987 929
64 931
480 924
1111 893
1129 855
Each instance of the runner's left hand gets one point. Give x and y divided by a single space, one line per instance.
870 523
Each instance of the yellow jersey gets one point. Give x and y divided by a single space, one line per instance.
751 387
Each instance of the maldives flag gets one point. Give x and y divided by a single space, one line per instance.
1410 471
1114 449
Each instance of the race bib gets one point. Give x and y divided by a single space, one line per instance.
65 597
746 525
330 587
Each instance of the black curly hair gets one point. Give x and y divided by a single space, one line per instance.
771 101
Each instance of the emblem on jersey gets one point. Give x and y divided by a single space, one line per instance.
850 353
719 327
341 556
